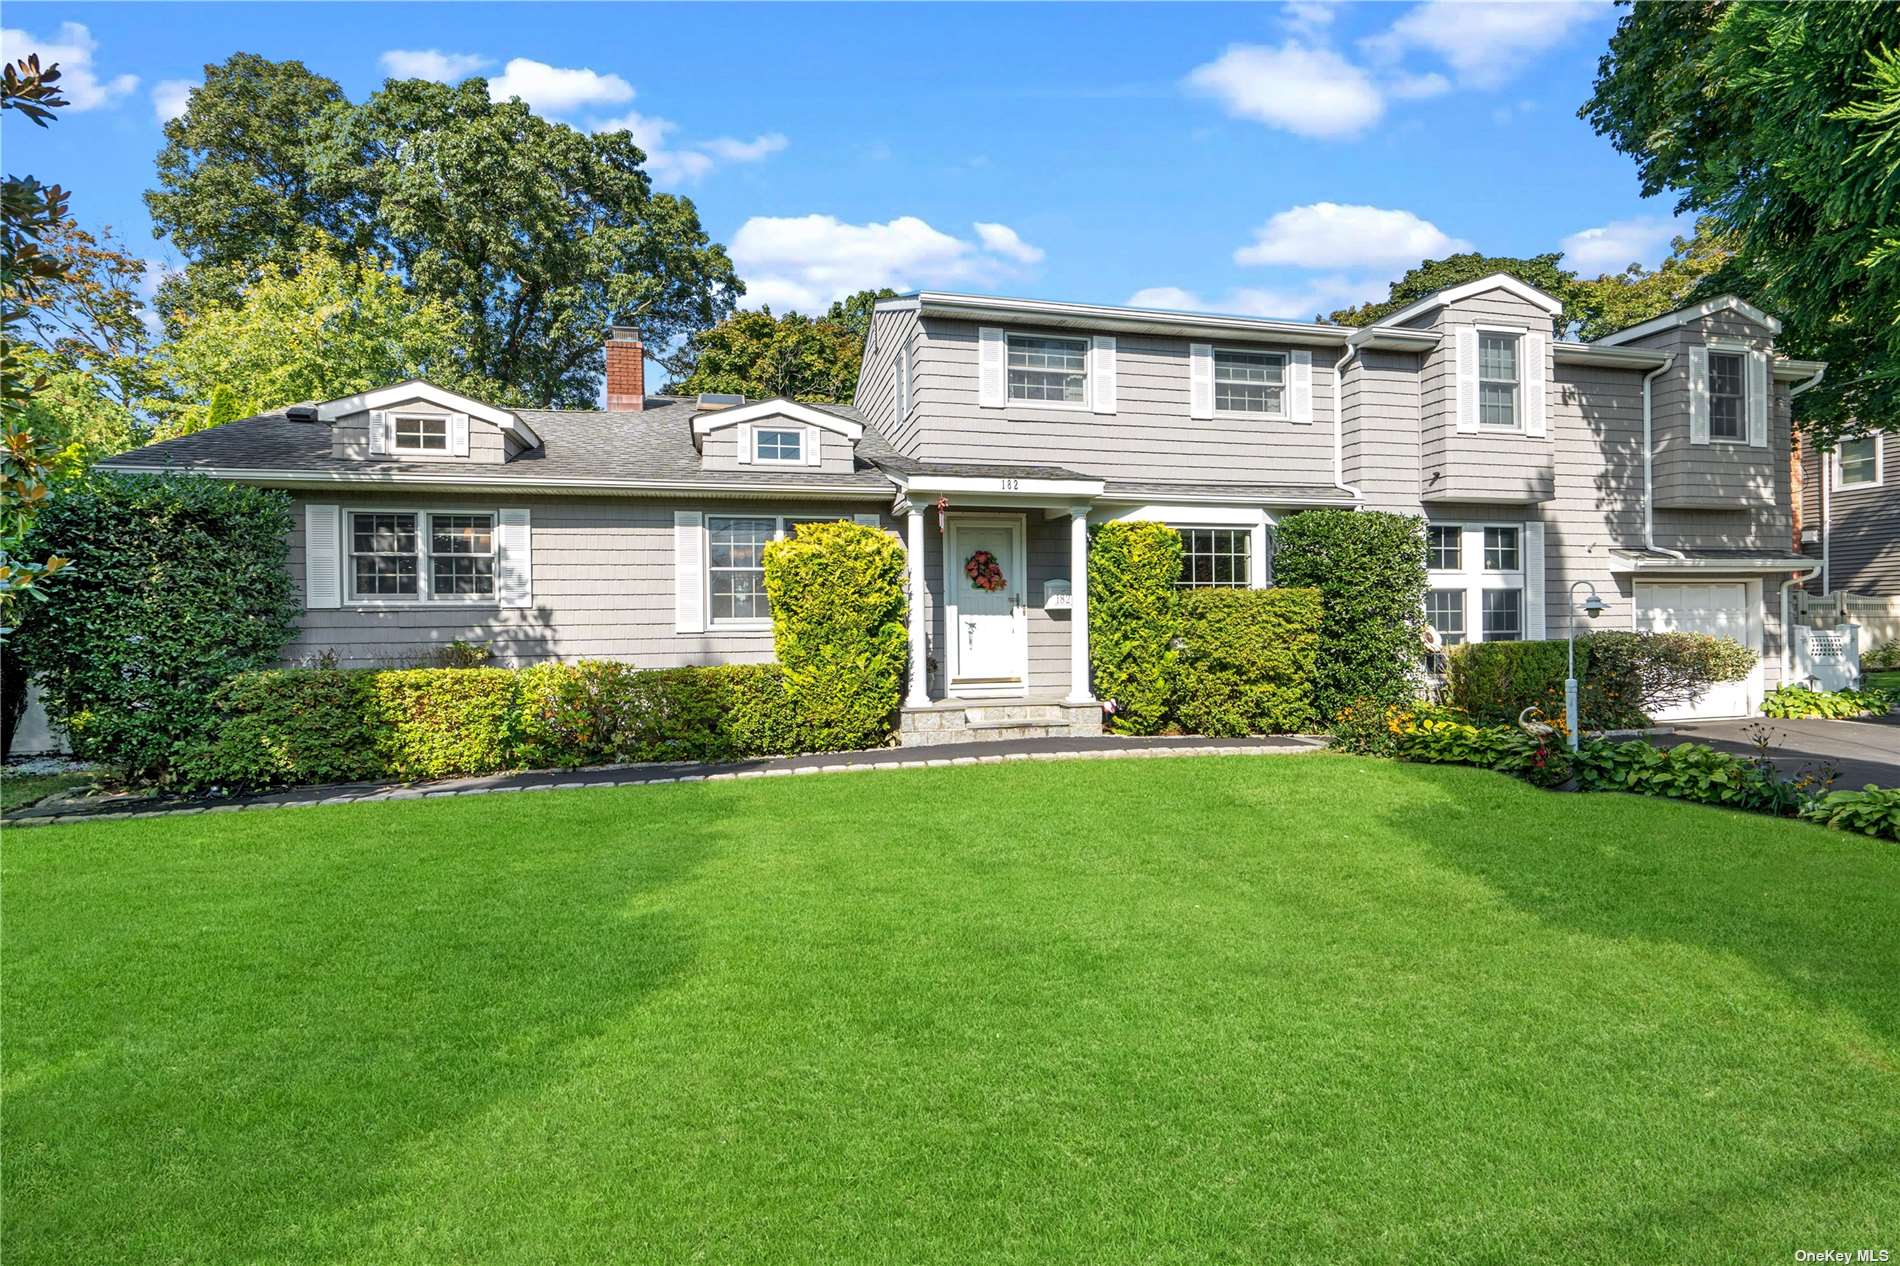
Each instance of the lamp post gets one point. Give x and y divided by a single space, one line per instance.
1593 606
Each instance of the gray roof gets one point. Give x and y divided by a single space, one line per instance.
578 446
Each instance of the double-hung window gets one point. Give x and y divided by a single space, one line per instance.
1250 383
735 562
1726 408
772 444
1216 558
1857 462
422 434
1047 369
410 556
1497 379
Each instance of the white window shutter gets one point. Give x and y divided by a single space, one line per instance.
322 557
1200 380
458 434
689 573
1102 374
1533 547
378 434
744 442
812 451
992 373
514 559
1465 377
1758 399
1698 395
1531 371
903 386
1300 388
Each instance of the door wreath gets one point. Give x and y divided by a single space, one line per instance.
985 572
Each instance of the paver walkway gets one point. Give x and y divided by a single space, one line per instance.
1105 747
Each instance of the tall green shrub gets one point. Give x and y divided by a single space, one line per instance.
177 583
1134 618
838 627
441 722
1369 568
1246 661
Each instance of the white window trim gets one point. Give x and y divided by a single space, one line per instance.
396 417
1473 578
1880 464
1085 405
1518 402
804 438
1248 415
425 577
1253 552
1719 346
706 567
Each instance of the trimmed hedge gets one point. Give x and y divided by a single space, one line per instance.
293 726
1246 659
177 584
1134 620
1369 569
1621 677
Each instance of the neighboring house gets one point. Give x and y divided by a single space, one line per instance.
1653 464
1850 516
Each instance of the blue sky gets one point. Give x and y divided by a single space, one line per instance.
1276 159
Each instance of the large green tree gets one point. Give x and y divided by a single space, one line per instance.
1781 123
539 235
1697 268
760 355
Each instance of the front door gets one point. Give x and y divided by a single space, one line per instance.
986 621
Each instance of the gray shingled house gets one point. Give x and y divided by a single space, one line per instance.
1653 464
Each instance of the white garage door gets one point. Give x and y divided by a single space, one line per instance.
1725 609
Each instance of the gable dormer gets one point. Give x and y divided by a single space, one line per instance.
769 435
1485 390
418 421
1719 423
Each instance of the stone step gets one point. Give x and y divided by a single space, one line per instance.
1039 712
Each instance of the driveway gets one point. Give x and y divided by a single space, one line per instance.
1866 751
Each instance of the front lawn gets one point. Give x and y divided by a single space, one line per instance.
1885 681
1222 1009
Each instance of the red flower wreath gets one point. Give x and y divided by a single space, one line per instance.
985 572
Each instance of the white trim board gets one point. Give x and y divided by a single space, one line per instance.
1453 294
1683 316
776 408
398 394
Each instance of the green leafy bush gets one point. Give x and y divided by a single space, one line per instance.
1543 761
1791 702
1655 671
1496 681
838 626
1369 568
1363 728
443 722
1883 658
1134 620
1871 811
177 584
565 716
1246 660
1689 771
282 727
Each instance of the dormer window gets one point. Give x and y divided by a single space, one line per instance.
786 447
1497 380
421 434
1725 396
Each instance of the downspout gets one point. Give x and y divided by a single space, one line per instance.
1649 461
1787 629
1825 461
1339 419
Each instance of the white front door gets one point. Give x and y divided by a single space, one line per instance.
1725 609
987 628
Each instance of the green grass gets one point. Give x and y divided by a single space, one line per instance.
1237 1009
1884 681
17 791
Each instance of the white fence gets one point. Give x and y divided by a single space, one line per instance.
1827 659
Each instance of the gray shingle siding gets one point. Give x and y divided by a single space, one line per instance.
1862 527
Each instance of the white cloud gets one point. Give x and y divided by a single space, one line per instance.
1332 235
1407 87
170 97
688 163
557 89
1307 16
1002 240
1303 89
1301 300
1612 247
804 262
1486 42
72 51
434 64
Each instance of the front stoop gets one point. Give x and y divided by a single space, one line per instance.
987 720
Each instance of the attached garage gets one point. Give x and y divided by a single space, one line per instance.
1725 608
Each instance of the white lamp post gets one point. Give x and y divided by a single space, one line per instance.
1593 606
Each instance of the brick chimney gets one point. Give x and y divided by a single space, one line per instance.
626 370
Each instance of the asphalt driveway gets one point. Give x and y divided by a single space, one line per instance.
1865 751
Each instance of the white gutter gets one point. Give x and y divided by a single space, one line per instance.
1649 460
552 487
1824 460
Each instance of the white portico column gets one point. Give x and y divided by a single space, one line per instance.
919 642
1079 606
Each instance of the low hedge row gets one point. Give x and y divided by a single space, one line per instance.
1245 661
294 726
1622 677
